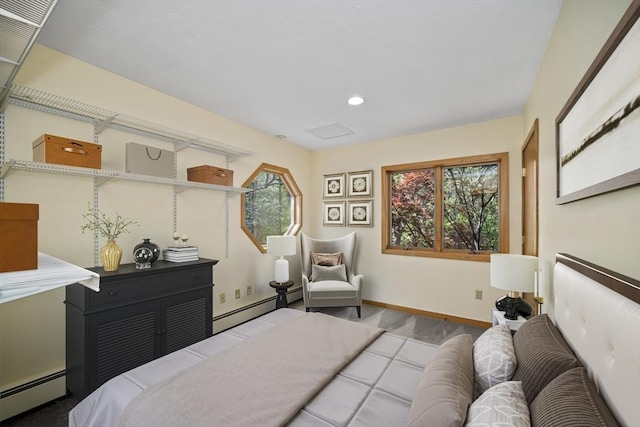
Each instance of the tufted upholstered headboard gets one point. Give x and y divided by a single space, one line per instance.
598 313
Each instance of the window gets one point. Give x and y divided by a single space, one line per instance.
455 208
273 208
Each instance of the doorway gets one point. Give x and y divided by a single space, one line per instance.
530 199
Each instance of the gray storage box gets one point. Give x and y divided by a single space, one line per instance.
144 160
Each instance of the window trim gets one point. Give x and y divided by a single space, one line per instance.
288 180
438 252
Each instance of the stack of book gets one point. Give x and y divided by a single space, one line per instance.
180 253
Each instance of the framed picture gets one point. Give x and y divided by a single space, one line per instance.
359 184
334 186
597 148
360 213
333 213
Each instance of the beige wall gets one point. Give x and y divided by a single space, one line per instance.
433 284
603 229
32 329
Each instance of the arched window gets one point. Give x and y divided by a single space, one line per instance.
273 208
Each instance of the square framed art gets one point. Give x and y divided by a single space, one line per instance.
360 213
359 184
333 186
333 213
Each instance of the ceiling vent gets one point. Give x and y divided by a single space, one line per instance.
334 130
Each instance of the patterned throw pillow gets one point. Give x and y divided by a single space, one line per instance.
494 358
502 405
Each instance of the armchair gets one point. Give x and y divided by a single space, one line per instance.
331 290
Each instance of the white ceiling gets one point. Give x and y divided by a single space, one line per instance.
286 67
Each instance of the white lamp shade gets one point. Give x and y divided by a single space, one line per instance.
281 245
513 272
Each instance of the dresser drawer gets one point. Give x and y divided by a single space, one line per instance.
151 286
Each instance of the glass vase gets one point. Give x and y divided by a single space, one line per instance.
111 255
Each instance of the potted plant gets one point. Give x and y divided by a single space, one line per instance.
96 221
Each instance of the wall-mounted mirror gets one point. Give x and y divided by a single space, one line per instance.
273 208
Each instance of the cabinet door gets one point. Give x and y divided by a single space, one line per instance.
124 339
187 319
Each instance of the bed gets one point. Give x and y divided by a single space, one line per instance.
294 368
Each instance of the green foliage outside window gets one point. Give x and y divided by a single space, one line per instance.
471 214
272 207
268 208
413 209
448 207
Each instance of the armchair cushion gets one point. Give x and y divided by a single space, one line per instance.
321 273
332 289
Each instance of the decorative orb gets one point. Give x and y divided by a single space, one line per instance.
145 253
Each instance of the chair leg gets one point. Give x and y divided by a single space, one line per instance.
358 308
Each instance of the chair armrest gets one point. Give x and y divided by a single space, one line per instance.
356 280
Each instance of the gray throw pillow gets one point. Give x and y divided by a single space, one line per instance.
571 400
321 273
445 390
542 355
502 405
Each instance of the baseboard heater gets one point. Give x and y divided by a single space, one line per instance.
251 311
32 394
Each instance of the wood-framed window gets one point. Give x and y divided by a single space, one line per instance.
453 208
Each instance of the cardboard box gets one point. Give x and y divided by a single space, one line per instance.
210 175
65 151
18 236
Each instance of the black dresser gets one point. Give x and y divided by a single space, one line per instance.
138 316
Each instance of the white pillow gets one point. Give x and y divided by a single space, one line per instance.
503 404
494 358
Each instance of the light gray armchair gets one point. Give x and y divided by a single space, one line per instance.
327 289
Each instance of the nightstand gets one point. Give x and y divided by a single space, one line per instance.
497 318
281 289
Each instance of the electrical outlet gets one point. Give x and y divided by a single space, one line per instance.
223 298
249 290
478 294
237 293
256 289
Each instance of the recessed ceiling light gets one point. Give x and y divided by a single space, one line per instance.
355 100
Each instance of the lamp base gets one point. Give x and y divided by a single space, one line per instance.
514 306
282 270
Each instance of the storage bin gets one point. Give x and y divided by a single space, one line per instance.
18 236
210 175
65 151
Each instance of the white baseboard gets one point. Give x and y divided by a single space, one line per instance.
244 314
32 394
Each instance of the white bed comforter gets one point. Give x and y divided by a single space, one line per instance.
375 389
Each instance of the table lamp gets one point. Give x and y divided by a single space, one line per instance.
514 273
281 246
